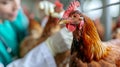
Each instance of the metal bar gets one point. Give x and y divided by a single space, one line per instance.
119 9
107 20
81 4
102 7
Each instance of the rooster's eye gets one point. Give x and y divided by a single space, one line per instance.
74 16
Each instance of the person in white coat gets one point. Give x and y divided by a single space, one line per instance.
43 54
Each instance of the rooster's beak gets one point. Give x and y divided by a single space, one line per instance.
63 21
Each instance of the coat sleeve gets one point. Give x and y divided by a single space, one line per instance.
40 56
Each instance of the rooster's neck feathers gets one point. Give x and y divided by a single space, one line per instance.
92 47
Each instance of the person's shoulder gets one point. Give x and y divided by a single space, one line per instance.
21 21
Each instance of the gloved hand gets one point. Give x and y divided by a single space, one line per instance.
58 15
47 6
60 42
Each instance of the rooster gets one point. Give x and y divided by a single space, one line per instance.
87 49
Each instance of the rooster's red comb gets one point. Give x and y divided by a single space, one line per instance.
58 4
72 7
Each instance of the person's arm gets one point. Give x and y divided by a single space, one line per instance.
21 21
60 41
5 58
40 56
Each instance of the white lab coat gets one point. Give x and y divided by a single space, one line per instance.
38 57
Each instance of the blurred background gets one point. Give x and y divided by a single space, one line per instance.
105 13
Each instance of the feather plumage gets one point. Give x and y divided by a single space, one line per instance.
87 49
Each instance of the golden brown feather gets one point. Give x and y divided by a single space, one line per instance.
91 49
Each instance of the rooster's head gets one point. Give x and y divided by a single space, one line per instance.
72 17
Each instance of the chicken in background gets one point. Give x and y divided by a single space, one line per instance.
100 28
34 28
87 49
57 38
116 30
34 32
